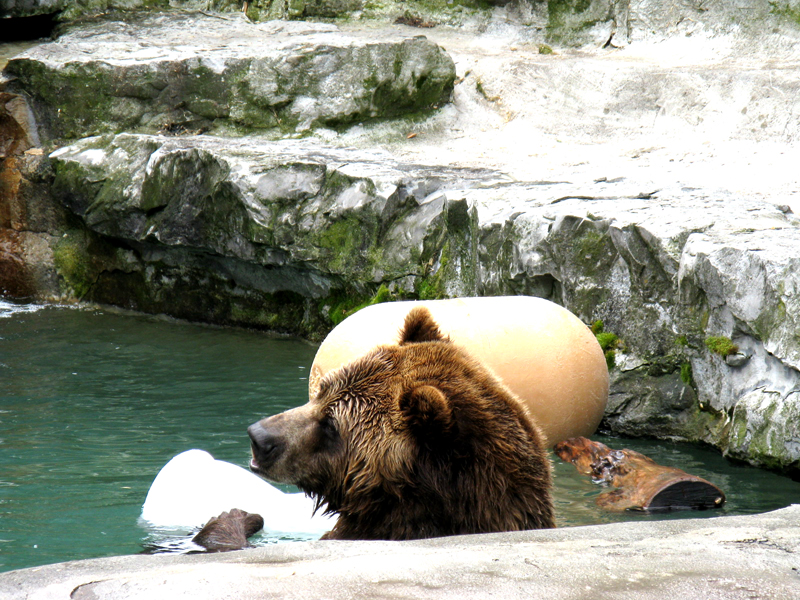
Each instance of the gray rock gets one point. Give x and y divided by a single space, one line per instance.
254 220
320 8
750 557
651 188
736 360
258 10
296 216
29 8
190 71
72 9
619 22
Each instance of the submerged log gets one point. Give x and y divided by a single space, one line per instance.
229 531
641 483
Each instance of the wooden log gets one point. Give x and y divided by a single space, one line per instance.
229 531
641 483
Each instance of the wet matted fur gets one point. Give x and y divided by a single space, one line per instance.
411 441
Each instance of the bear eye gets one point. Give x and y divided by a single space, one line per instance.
329 433
327 423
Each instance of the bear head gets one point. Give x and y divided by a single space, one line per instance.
410 441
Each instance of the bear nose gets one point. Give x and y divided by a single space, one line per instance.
265 444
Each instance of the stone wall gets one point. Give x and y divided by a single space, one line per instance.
280 175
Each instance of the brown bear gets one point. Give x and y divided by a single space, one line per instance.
412 441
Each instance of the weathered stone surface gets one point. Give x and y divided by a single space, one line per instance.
750 557
26 264
663 271
71 9
27 8
28 216
250 218
618 22
182 71
257 9
651 188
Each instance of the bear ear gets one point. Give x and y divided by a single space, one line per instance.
426 410
419 326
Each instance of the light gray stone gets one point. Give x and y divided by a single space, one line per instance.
650 187
27 8
656 269
750 557
189 71
619 22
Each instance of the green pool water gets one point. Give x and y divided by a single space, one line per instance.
93 403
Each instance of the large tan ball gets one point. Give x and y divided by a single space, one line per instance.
540 350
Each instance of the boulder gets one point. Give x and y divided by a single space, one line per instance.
737 558
248 218
189 72
649 189
30 8
254 232
257 9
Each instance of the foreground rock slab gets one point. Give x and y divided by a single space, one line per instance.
179 71
749 557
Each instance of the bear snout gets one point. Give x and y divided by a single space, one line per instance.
266 447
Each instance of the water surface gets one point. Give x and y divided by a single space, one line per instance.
93 403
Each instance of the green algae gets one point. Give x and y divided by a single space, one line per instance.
441 12
609 343
72 100
771 318
592 250
80 257
686 373
721 345
568 20
344 303
786 9
72 264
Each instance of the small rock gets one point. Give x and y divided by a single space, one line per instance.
736 360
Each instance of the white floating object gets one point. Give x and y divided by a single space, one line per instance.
193 487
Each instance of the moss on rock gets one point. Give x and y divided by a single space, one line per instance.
73 264
568 20
686 373
721 345
786 9
80 257
609 343
343 303
181 84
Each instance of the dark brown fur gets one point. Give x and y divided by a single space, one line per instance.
229 531
412 441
